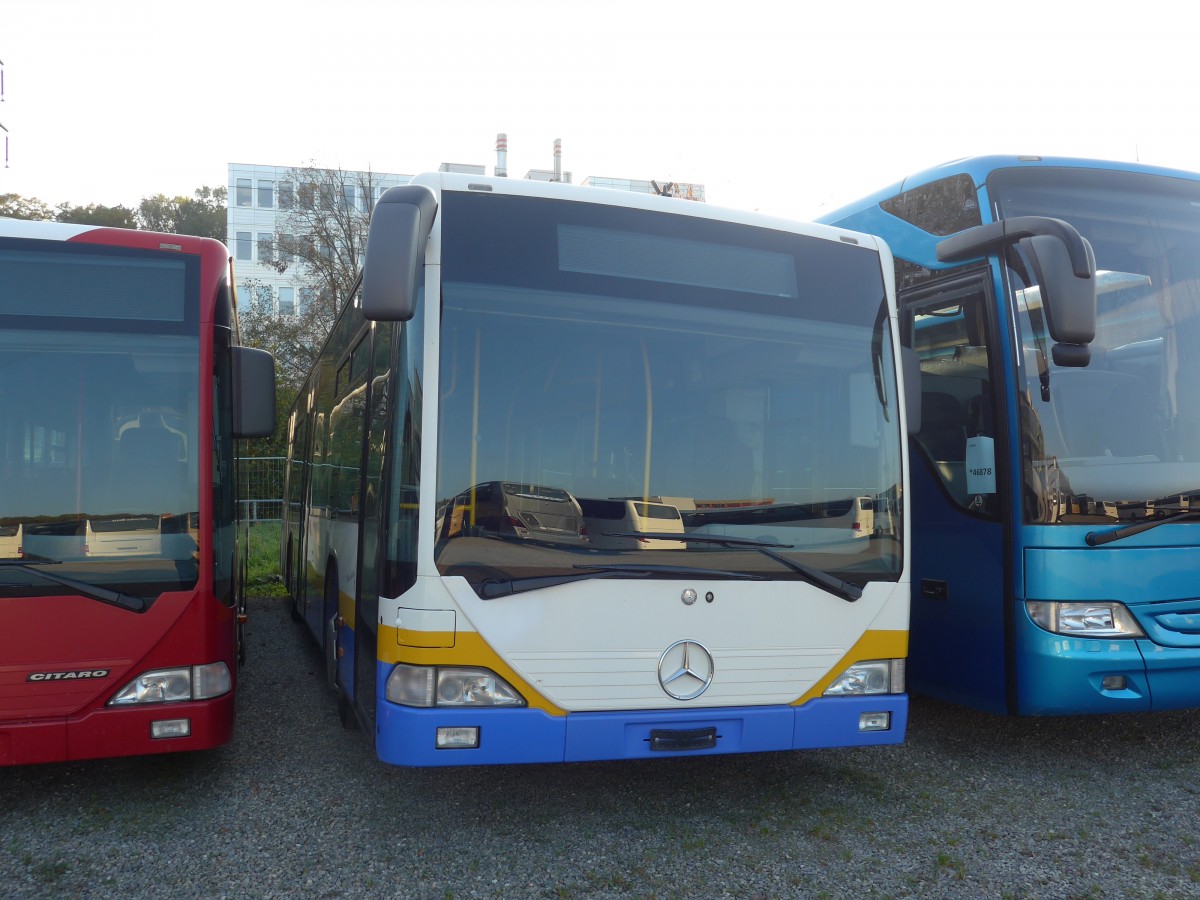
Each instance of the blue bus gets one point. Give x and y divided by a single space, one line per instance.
581 474
1056 550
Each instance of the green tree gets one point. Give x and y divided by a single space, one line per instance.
324 215
287 339
203 215
97 214
14 206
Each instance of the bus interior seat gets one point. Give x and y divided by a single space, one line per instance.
150 445
148 469
942 424
979 416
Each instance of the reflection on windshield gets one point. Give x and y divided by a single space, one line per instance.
576 431
98 459
1118 440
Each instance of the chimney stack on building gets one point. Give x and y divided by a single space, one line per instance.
502 155
558 159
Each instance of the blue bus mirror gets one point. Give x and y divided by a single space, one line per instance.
400 227
1063 265
1068 302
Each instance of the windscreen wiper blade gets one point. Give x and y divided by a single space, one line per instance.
844 589
696 538
651 569
91 591
489 590
1097 538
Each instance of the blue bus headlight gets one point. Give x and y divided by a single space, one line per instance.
872 676
1098 619
449 686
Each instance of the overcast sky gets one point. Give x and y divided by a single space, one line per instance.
787 107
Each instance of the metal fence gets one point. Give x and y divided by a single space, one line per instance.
261 489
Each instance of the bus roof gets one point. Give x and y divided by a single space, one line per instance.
102 234
979 167
454 181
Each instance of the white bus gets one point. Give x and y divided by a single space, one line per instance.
562 484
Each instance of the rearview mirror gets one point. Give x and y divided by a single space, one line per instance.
395 258
253 392
1065 269
1068 302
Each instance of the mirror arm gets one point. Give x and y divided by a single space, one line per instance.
982 239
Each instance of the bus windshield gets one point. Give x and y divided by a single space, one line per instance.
98 440
1120 438
649 377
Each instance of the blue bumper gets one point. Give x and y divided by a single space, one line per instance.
407 736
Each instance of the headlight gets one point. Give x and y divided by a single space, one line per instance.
872 676
175 685
1102 619
443 686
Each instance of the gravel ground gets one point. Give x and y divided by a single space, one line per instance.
970 806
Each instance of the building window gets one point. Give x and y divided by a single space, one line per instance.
266 249
287 195
243 245
266 194
306 298
242 192
350 195
287 245
287 302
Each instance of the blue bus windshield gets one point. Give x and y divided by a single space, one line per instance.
1120 438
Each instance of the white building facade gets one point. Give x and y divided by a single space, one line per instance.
258 194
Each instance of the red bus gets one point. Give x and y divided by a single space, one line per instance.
123 386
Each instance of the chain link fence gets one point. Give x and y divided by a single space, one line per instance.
261 488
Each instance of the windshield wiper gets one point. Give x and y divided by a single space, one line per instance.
844 589
1096 538
491 589
91 591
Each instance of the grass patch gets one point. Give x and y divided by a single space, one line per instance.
263 578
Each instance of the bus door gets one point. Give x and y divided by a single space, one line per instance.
959 620
294 529
368 583
347 440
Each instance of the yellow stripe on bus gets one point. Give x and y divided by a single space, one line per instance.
467 648
464 648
